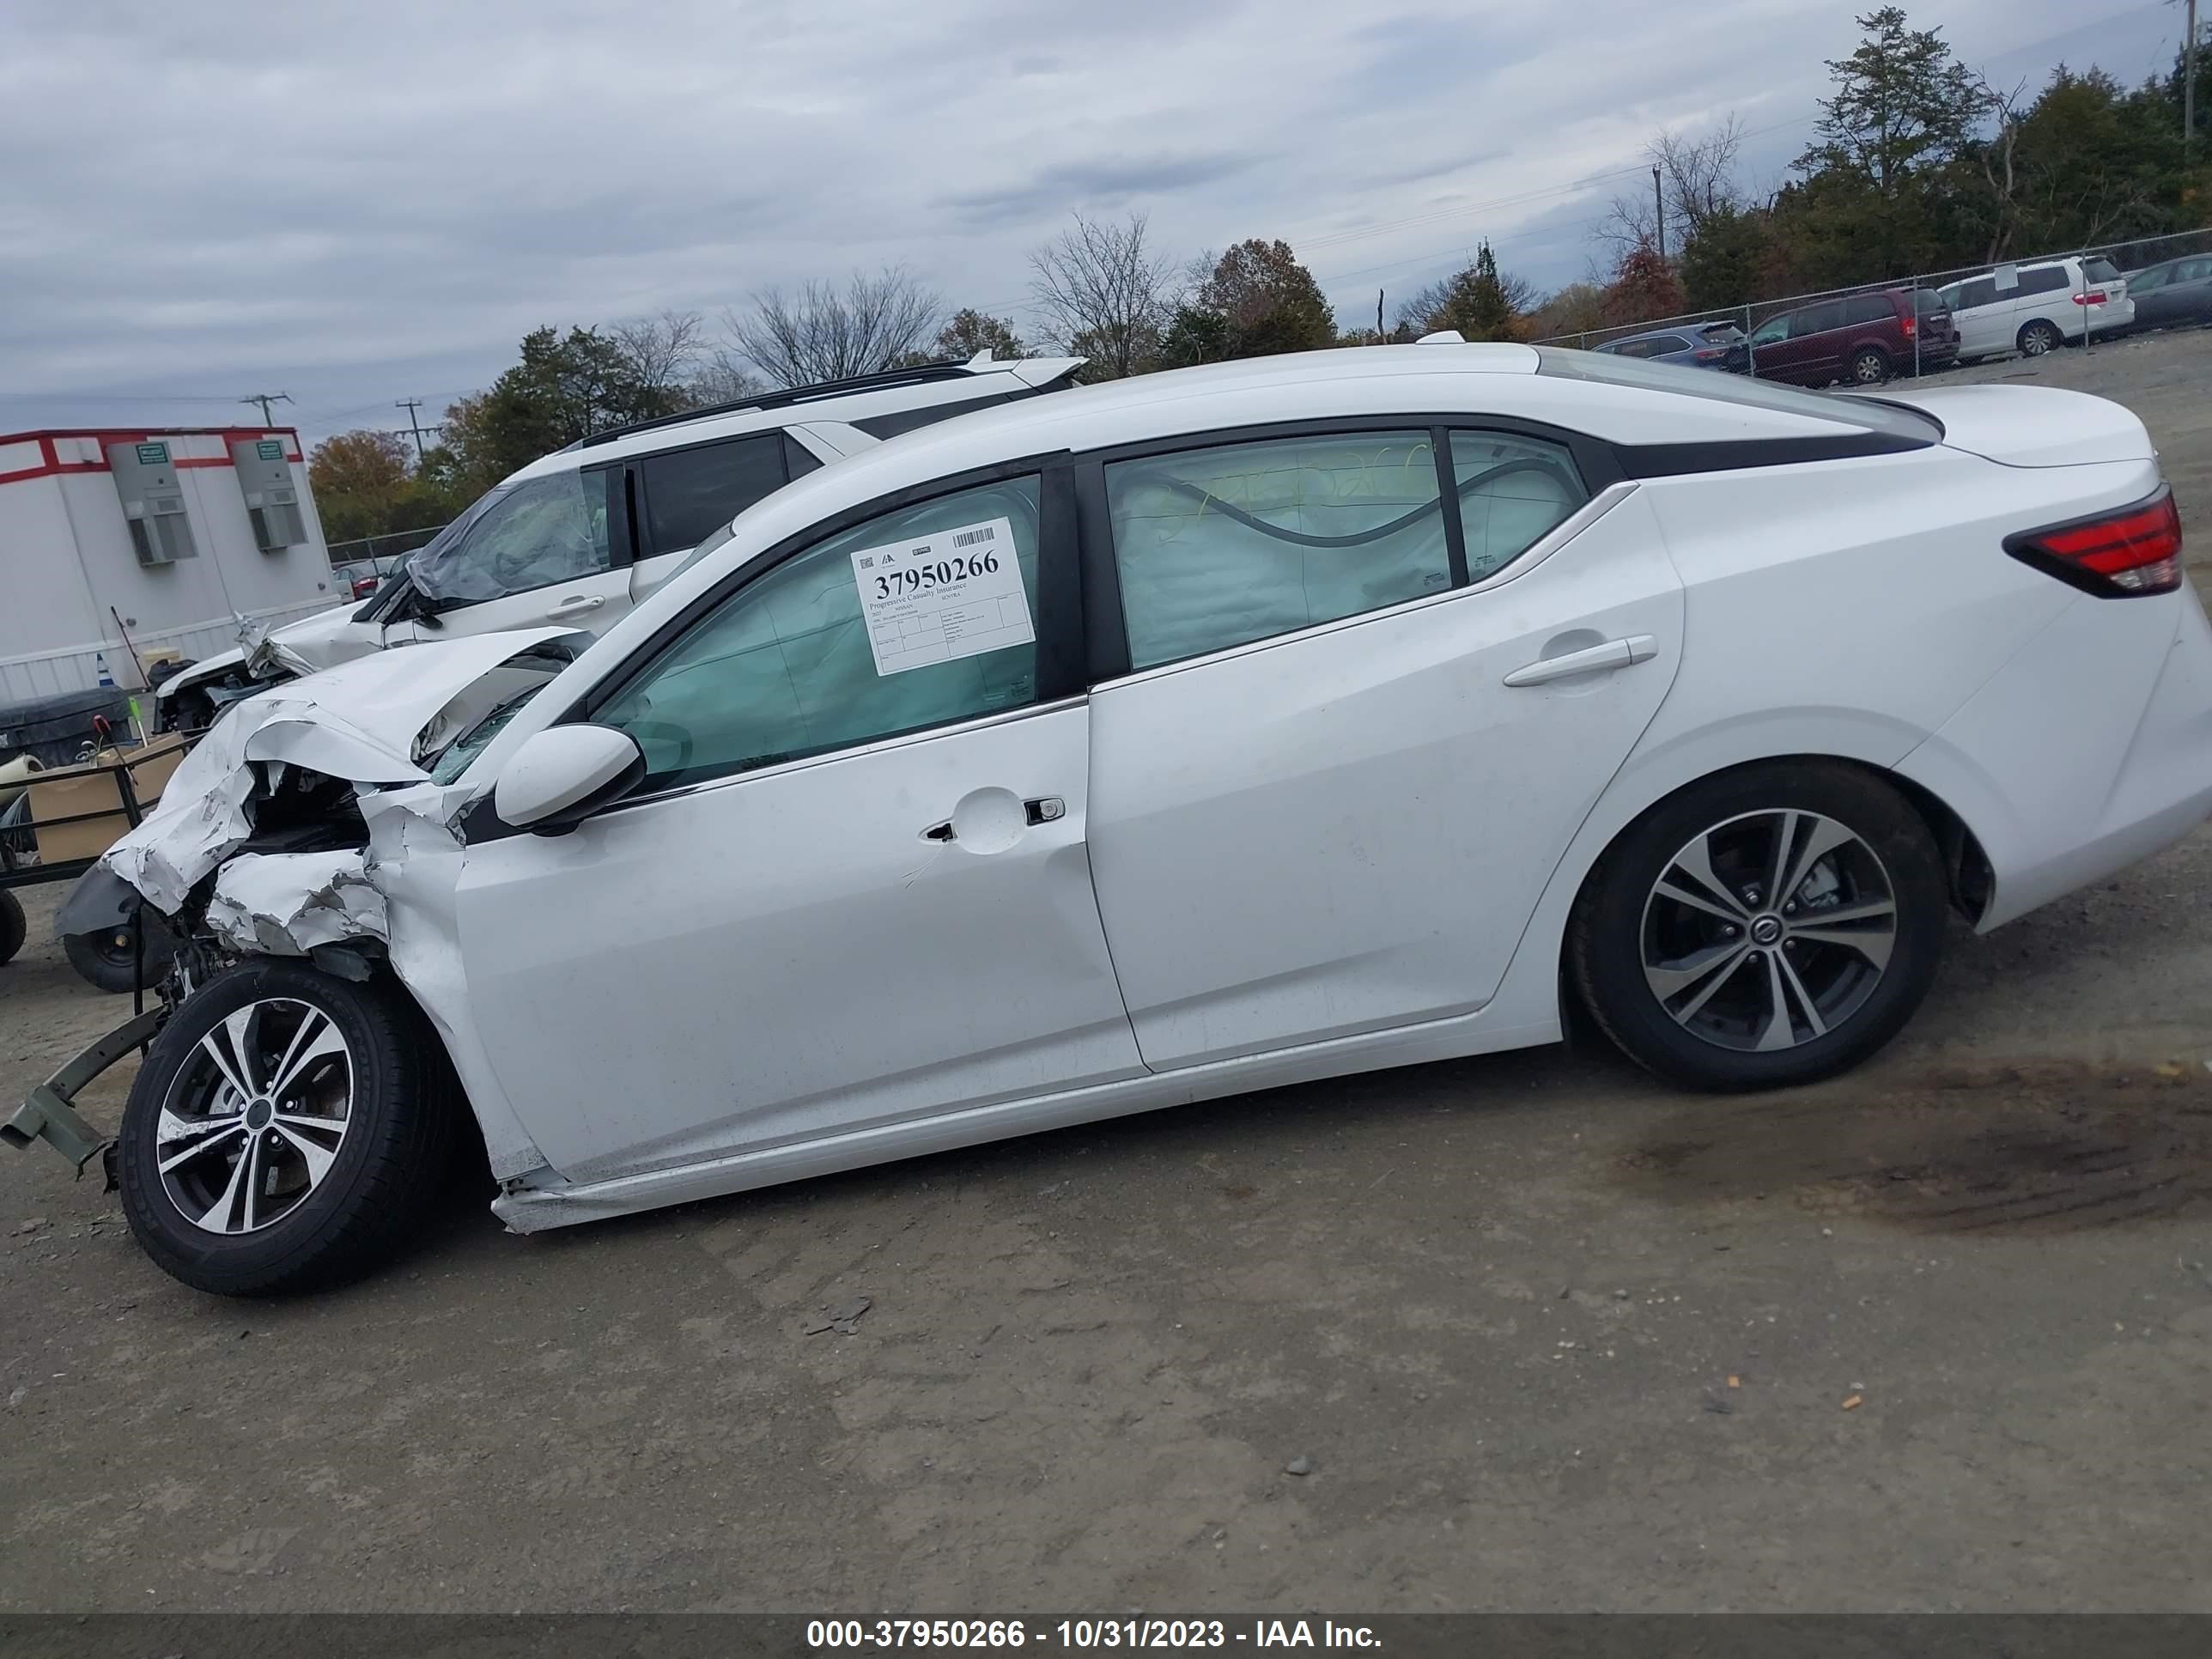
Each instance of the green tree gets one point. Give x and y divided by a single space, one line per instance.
1194 335
1267 300
563 389
1883 192
971 331
1725 258
1477 303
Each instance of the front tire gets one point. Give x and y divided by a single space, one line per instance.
1767 927
288 1131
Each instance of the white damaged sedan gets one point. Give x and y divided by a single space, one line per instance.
1198 733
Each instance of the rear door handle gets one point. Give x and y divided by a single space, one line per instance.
1591 659
575 605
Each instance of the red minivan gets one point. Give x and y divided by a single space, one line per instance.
1862 339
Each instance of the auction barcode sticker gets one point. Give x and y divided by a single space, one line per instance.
954 594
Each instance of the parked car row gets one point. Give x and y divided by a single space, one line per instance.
1865 339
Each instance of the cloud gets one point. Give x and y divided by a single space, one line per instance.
1109 182
359 204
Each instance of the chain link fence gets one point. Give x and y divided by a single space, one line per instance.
2128 257
386 552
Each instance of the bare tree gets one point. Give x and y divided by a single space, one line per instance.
1102 291
659 351
823 331
1697 179
722 378
1997 159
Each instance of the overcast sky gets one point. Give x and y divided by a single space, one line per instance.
360 203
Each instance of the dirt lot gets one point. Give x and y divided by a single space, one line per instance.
1548 1336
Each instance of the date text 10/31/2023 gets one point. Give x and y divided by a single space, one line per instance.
1085 1634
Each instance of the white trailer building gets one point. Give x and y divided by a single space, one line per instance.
116 544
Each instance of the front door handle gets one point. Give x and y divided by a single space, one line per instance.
1591 659
575 605
1038 809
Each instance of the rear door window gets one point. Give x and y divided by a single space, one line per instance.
1817 319
1221 546
690 493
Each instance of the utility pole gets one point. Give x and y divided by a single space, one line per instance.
265 399
2189 85
1659 211
411 405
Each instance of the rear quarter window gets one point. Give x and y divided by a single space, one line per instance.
2047 279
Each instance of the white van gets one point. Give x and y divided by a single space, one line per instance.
2030 308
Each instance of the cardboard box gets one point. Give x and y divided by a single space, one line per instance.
66 792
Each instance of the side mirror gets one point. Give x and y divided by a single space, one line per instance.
560 775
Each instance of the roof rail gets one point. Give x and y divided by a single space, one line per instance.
917 374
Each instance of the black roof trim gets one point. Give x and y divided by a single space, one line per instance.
1729 455
919 375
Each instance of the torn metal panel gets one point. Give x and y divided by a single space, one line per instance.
360 722
284 904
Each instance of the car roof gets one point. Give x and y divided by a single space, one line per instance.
979 379
1431 379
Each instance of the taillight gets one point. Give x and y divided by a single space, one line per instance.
2114 556
1711 354
2092 298
1910 325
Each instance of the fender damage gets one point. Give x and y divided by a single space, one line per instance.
337 763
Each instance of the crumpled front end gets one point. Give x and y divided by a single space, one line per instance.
307 823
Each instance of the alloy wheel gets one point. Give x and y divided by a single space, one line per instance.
255 1116
1769 930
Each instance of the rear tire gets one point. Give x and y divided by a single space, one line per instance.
104 959
1870 366
2040 337
342 1092
1699 973
13 927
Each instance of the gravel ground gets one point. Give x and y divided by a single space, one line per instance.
1540 1333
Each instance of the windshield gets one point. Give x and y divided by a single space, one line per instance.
473 742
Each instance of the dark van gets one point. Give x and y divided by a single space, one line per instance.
1862 339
